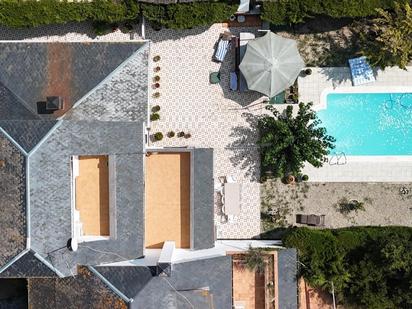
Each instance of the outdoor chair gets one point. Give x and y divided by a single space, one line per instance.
302 219
214 78
313 220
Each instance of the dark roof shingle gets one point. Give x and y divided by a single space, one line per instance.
27 266
12 201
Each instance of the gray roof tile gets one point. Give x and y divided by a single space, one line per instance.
12 201
27 266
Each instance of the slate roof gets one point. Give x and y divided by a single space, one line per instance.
12 201
105 85
203 282
85 290
29 72
287 278
28 266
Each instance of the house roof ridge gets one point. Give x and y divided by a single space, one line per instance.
13 260
110 285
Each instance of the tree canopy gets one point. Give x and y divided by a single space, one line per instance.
388 40
371 267
287 142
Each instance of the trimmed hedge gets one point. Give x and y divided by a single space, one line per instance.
284 12
187 15
31 13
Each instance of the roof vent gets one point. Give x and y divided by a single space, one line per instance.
54 103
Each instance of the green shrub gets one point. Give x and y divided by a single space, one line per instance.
371 267
155 109
305 177
255 260
31 13
387 42
295 11
158 136
288 140
154 117
170 134
187 15
346 206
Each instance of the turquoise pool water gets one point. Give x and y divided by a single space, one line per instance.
369 124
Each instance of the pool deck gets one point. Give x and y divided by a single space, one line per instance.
365 168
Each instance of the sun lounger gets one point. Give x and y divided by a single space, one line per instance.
233 81
361 71
222 46
244 38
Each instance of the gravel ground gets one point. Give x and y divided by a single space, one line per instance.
383 203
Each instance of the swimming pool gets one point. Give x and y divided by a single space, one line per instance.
369 124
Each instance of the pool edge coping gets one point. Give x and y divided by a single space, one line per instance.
358 89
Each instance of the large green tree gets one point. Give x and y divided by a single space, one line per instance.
371 267
287 141
388 40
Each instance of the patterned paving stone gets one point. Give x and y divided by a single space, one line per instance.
213 115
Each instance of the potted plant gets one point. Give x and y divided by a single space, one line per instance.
308 71
290 179
188 135
305 178
181 134
155 109
157 85
156 58
156 94
170 134
156 69
158 136
156 78
154 117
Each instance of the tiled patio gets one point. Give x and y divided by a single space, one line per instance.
213 115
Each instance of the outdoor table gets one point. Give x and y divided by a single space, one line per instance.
232 199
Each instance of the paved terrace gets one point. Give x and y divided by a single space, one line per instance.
357 169
214 116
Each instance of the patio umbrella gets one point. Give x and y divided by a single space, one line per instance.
271 64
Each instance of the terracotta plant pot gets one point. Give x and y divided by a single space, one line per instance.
290 179
156 69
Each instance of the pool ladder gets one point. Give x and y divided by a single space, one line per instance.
338 158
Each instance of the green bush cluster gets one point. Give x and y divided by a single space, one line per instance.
31 13
187 15
295 11
370 267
